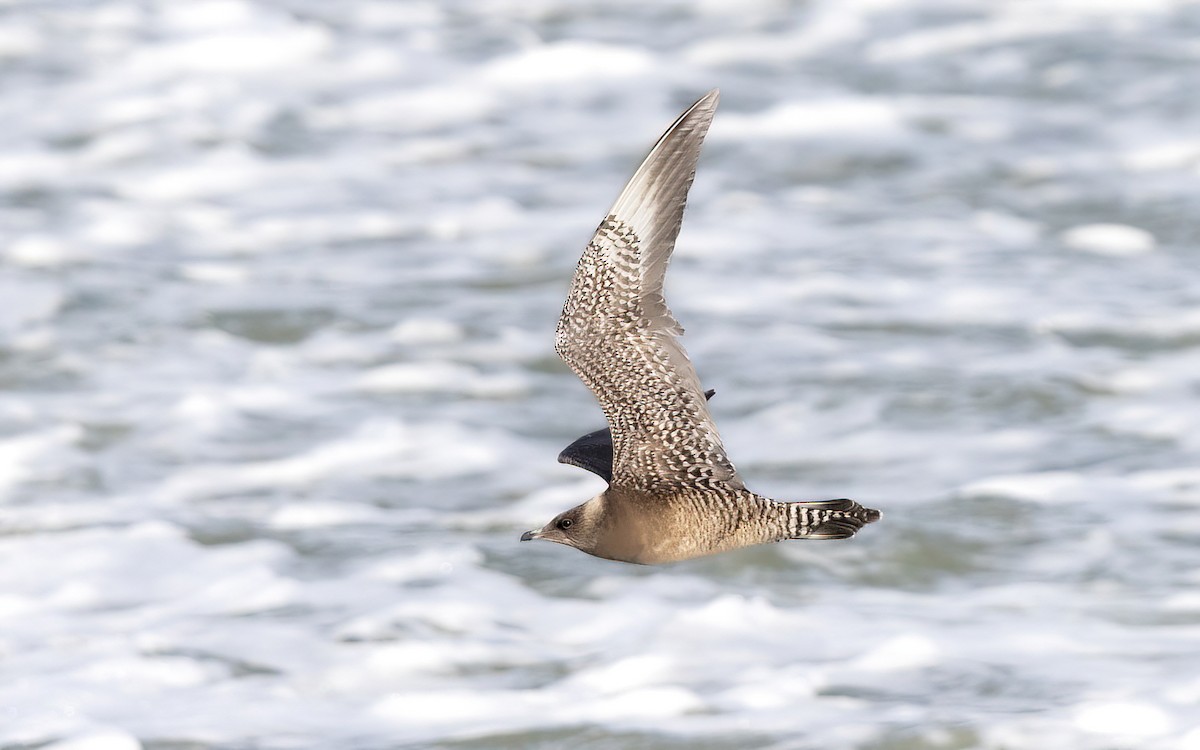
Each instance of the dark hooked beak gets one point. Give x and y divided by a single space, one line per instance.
528 535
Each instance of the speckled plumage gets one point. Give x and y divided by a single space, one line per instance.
673 492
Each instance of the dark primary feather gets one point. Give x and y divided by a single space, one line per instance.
594 451
619 337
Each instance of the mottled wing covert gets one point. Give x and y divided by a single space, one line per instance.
619 337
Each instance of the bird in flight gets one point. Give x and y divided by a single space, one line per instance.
673 493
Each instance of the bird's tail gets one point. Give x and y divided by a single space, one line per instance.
829 519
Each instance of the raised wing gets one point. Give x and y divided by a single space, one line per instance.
618 335
594 451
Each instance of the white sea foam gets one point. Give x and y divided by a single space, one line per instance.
565 62
951 39
1109 239
379 448
437 377
909 651
34 455
1126 720
1052 486
28 303
832 119
99 740
423 331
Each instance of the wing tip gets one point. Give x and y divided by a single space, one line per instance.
661 182
705 107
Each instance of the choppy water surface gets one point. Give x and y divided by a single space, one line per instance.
278 284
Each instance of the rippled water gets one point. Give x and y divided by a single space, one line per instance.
278 284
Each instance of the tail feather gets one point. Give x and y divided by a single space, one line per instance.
834 530
831 519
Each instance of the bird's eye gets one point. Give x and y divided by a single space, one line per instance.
564 523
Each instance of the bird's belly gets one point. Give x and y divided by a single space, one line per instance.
669 534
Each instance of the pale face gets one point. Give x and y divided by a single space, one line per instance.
606 527
578 527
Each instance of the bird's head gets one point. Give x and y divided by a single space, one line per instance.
578 527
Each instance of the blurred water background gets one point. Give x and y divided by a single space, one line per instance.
278 286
